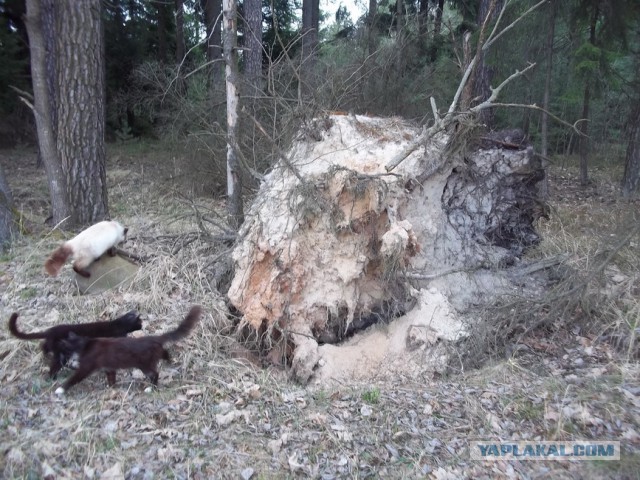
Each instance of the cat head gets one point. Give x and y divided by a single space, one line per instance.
132 320
73 344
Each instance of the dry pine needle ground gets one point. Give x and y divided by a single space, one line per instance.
216 417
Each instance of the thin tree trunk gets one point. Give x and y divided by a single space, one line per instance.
371 20
423 20
631 177
234 177
81 108
253 43
163 27
489 9
180 44
310 23
213 23
7 229
60 209
586 99
544 126
437 24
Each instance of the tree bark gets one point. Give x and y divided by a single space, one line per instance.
371 20
482 78
81 108
631 177
41 72
180 44
586 100
437 24
544 123
253 44
423 20
7 229
213 24
310 23
163 27
234 177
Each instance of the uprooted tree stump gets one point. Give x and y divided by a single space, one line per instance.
335 242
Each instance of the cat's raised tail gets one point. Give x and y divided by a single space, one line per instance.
185 326
13 328
57 259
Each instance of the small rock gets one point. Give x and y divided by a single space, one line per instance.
247 473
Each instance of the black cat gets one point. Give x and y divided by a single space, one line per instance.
119 327
111 354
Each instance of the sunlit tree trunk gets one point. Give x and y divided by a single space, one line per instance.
234 177
81 107
39 21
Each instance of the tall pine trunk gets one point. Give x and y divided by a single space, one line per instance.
253 44
213 25
81 107
544 123
631 177
234 176
7 224
39 22
372 31
310 23
586 100
180 44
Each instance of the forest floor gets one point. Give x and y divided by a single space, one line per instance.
215 416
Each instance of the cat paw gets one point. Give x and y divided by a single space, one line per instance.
59 391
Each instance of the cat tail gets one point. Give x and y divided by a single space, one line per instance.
13 328
185 326
57 259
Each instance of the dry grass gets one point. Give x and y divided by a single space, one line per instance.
216 417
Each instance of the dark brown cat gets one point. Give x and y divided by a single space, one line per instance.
111 354
119 327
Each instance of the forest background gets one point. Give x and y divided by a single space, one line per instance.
164 74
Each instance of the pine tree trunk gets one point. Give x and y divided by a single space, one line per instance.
234 177
544 123
39 22
163 27
437 24
7 229
423 20
371 20
213 23
253 44
81 108
180 44
586 100
482 79
310 23
631 177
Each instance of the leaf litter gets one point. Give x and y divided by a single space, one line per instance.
215 417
